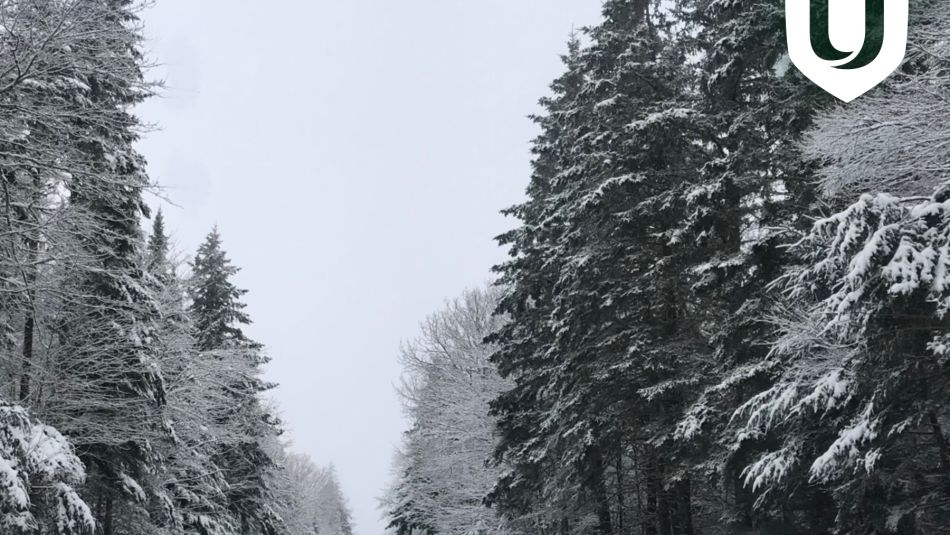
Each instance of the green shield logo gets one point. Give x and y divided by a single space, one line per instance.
846 71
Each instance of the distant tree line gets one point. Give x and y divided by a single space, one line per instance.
130 397
725 307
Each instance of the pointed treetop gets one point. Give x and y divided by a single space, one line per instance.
158 241
216 301
625 11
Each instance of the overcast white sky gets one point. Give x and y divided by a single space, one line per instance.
355 154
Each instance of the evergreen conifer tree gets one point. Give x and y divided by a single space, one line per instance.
192 497
611 343
752 196
218 315
158 246
113 387
525 353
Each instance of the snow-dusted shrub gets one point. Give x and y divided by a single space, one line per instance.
39 474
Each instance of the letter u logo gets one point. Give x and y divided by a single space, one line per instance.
844 71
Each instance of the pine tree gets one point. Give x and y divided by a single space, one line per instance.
192 497
525 354
94 330
599 245
620 305
749 199
49 54
216 306
158 246
110 391
218 315
859 364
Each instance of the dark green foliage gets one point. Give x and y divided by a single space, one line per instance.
598 333
668 181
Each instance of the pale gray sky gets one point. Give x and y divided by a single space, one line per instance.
355 154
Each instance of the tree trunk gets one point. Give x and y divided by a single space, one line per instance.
658 498
29 324
664 526
684 508
598 489
620 490
26 371
107 520
941 442
650 524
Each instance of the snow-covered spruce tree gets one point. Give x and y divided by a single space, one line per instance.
89 318
447 386
524 493
48 52
192 499
623 334
860 367
751 194
609 348
218 315
71 195
106 387
158 250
